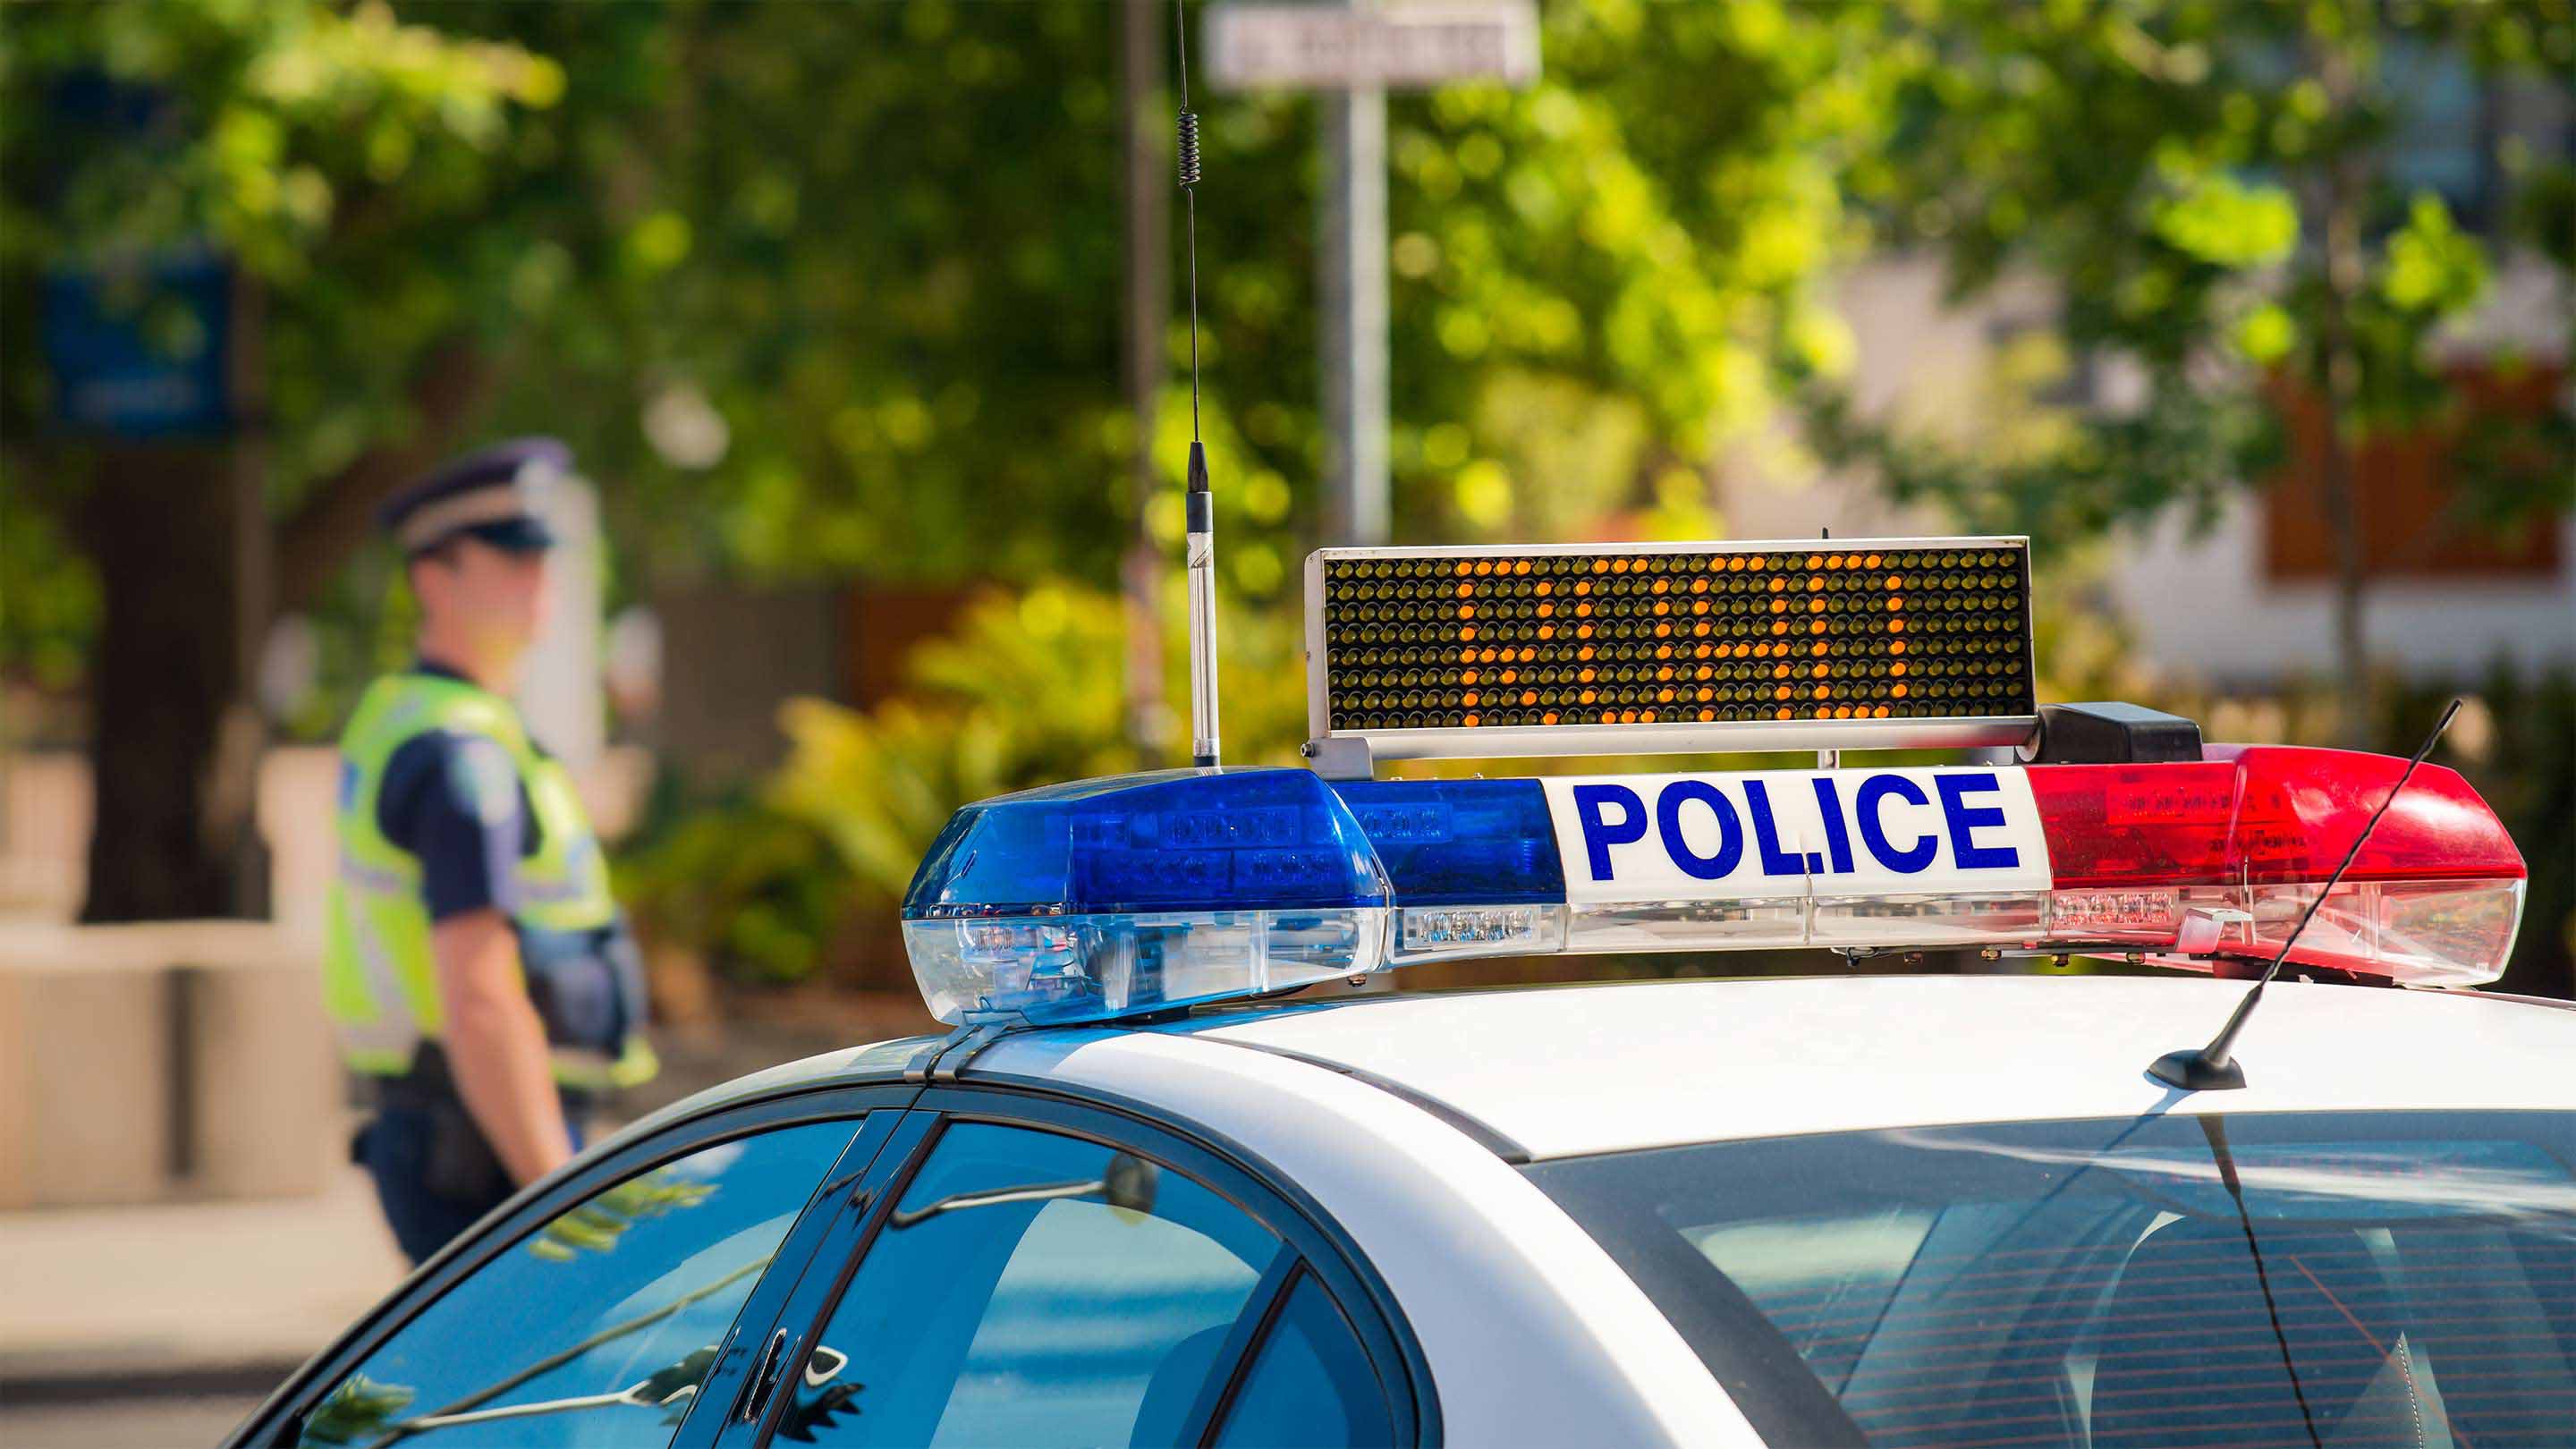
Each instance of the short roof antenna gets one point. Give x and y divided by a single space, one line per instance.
2213 1068
1200 532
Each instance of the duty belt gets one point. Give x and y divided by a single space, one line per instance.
431 1082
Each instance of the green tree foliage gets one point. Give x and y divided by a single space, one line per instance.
357 175
885 243
360 166
2207 187
1607 276
831 290
880 784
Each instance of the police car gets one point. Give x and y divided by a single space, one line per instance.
1146 1194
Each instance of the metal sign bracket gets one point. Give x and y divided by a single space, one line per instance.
1341 757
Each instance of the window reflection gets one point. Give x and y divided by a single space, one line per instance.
599 1326
1019 1314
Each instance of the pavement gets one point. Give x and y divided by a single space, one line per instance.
165 1324
144 1423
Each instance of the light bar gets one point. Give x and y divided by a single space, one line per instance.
1115 897
1593 649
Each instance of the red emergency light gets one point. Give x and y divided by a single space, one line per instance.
2203 862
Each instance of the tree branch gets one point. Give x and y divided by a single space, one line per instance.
320 535
615 1331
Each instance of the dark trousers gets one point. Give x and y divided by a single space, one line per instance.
434 1173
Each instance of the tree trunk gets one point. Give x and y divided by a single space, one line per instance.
167 665
192 570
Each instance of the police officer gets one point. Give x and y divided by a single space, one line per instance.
477 967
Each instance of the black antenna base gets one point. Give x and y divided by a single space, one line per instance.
2213 1068
2193 1071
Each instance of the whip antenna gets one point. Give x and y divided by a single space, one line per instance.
2213 1067
1201 529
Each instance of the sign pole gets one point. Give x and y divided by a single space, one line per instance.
1350 55
1351 295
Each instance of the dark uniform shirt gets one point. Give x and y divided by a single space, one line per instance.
456 803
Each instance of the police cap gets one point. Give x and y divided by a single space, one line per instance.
495 494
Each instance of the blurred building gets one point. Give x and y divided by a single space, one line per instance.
2247 601
847 644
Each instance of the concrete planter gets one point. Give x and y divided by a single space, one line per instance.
144 1063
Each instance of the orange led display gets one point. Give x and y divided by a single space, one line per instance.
1664 636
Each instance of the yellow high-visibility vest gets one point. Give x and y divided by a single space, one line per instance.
380 981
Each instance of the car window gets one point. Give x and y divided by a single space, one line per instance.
1031 1289
2343 1278
1310 1385
598 1327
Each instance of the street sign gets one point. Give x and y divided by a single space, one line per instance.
1330 47
1351 54
142 350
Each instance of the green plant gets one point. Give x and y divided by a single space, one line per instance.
1026 692
756 892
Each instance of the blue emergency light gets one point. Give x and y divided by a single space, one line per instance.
1111 897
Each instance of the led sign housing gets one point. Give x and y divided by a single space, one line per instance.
1590 649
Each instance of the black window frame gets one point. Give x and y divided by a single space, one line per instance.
876 1111
1217 1405
1309 1243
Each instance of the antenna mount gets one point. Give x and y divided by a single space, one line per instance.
1200 527
2213 1068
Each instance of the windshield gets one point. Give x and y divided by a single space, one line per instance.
2313 1280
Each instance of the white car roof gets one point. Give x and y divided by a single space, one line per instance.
1560 1071
1573 1070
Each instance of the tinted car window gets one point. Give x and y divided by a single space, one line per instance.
596 1328
2342 1278
1309 1385
1031 1289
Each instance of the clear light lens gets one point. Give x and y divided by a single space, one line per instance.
1082 968
1688 925
1444 933
2114 915
2426 933
1977 919
1970 919
2453 932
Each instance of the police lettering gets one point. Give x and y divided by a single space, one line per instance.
1730 834
1611 815
1598 833
1766 835
1964 819
1872 802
